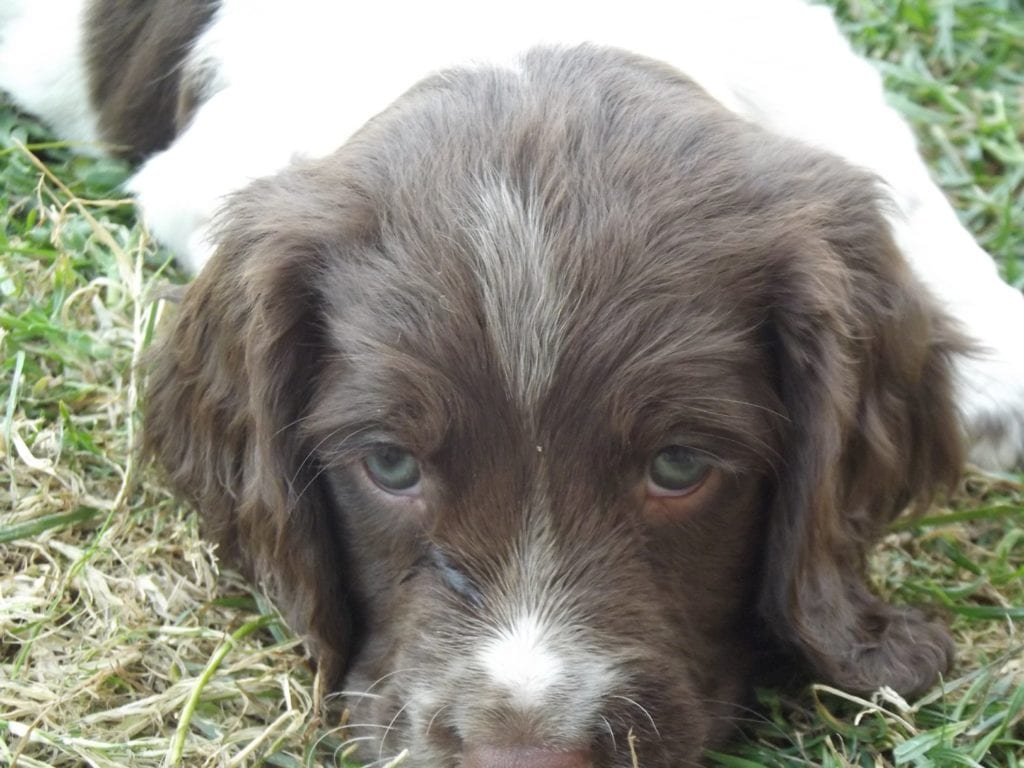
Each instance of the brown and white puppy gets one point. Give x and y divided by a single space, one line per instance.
552 398
535 406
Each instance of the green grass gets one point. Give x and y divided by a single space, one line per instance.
956 70
122 644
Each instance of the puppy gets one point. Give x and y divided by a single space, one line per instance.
547 397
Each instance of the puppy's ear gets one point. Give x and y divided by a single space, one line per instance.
229 386
865 375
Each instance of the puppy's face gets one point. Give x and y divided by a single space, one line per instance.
551 477
545 398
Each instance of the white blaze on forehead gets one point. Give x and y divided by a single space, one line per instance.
521 661
521 302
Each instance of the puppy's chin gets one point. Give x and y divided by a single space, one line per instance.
547 398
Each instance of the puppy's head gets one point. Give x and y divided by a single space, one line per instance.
546 395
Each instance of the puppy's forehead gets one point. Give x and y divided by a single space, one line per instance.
504 320
541 248
523 300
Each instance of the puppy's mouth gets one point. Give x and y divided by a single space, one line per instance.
446 740
525 757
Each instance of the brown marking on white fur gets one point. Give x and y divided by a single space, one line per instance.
139 84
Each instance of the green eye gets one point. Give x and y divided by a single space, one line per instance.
676 470
394 469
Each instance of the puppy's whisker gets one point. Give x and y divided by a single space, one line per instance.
642 709
611 732
367 727
390 762
357 695
434 717
389 727
394 673
313 452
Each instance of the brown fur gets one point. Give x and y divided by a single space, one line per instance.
135 50
700 280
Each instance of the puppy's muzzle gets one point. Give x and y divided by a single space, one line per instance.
524 757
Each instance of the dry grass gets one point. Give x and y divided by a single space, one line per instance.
122 644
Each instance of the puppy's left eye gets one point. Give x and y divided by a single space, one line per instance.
676 471
394 469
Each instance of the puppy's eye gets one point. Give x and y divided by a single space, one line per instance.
394 469
676 471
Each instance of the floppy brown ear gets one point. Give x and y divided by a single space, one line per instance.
229 385
866 379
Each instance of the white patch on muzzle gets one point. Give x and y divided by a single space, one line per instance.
520 661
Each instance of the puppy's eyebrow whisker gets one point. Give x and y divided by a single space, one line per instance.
323 466
744 403
328 437
309 455
296 422
770 456
713 414
309 484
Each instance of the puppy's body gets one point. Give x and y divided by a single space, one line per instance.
531 280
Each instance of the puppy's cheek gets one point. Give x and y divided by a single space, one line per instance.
660 510
413 508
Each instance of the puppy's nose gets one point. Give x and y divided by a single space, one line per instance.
524 757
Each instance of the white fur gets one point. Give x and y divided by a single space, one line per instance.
516 280
338 75
299 78
521 662
42 64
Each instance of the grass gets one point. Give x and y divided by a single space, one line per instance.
121 643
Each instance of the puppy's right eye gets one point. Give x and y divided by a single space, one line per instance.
394 470
676 471
678 482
